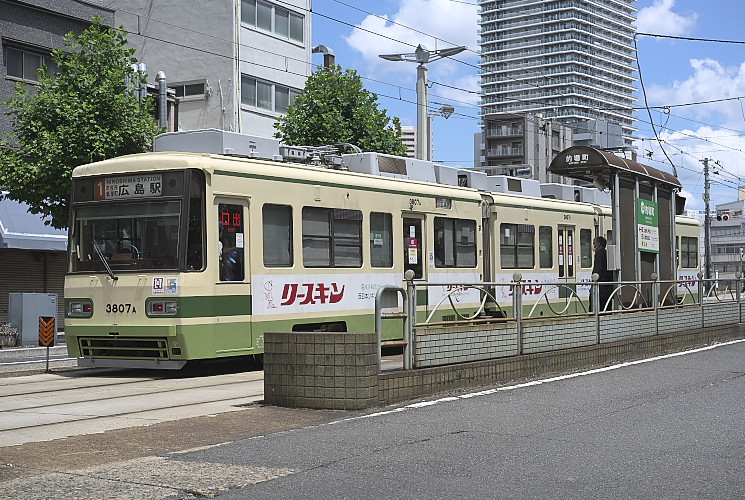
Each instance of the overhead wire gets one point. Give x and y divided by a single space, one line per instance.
457 115
464 103
651 120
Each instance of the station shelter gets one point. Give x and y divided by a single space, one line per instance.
645 201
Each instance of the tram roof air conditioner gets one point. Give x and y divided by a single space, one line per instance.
515 185
219 142
390 166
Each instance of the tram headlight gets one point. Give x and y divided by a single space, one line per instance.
162 308
80 308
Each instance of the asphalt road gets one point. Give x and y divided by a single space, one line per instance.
664 428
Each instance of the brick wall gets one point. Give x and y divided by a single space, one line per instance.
439 346
405 385
561 333
337 371
340 370
721 314
629 325
673 319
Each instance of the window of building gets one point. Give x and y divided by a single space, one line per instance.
332 237
455 242
688 252
277 236
196 89
545 247
381 240
273 18
23 63
517 246
266 95
585 247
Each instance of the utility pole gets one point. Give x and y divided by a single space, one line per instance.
707 219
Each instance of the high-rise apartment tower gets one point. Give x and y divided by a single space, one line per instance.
564 60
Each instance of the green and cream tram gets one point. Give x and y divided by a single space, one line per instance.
177 257
188 256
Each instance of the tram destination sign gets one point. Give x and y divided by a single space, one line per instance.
129 186
647 224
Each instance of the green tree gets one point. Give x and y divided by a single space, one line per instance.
85 112
334 108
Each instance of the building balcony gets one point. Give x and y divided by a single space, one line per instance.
504 132
504 152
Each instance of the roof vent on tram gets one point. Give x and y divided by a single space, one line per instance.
219 142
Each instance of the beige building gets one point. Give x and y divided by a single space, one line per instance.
520 146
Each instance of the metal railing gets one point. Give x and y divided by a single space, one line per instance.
553 300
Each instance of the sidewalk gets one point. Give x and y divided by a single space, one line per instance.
31 353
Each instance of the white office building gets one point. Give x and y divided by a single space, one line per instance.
563 60
235 65
408 137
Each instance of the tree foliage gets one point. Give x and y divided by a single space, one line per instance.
85 112
335 108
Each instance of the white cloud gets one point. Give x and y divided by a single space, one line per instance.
686 148
715 130
453 22
660 19
709 81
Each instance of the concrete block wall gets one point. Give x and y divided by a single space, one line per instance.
721 314
340 371
441 346
337 371
629 325
679 318
561 333
408 384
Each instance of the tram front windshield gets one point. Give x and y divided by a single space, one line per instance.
126 236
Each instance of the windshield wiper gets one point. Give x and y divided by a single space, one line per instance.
105 262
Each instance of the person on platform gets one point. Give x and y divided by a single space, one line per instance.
600 266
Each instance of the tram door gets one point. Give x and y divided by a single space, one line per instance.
414 245
233 274
566 258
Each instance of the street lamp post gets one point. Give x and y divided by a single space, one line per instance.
445 111
422 56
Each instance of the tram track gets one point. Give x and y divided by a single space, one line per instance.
51 406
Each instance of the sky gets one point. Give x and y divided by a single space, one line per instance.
676 73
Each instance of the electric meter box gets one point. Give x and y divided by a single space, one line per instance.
24 312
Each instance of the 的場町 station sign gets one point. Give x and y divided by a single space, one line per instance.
647 226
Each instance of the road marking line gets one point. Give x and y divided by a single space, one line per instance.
423 404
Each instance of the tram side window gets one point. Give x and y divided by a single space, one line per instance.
231 242
545 247
381 239
277 223
332 237
195 233
689 252
455 242
585 247
517 246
